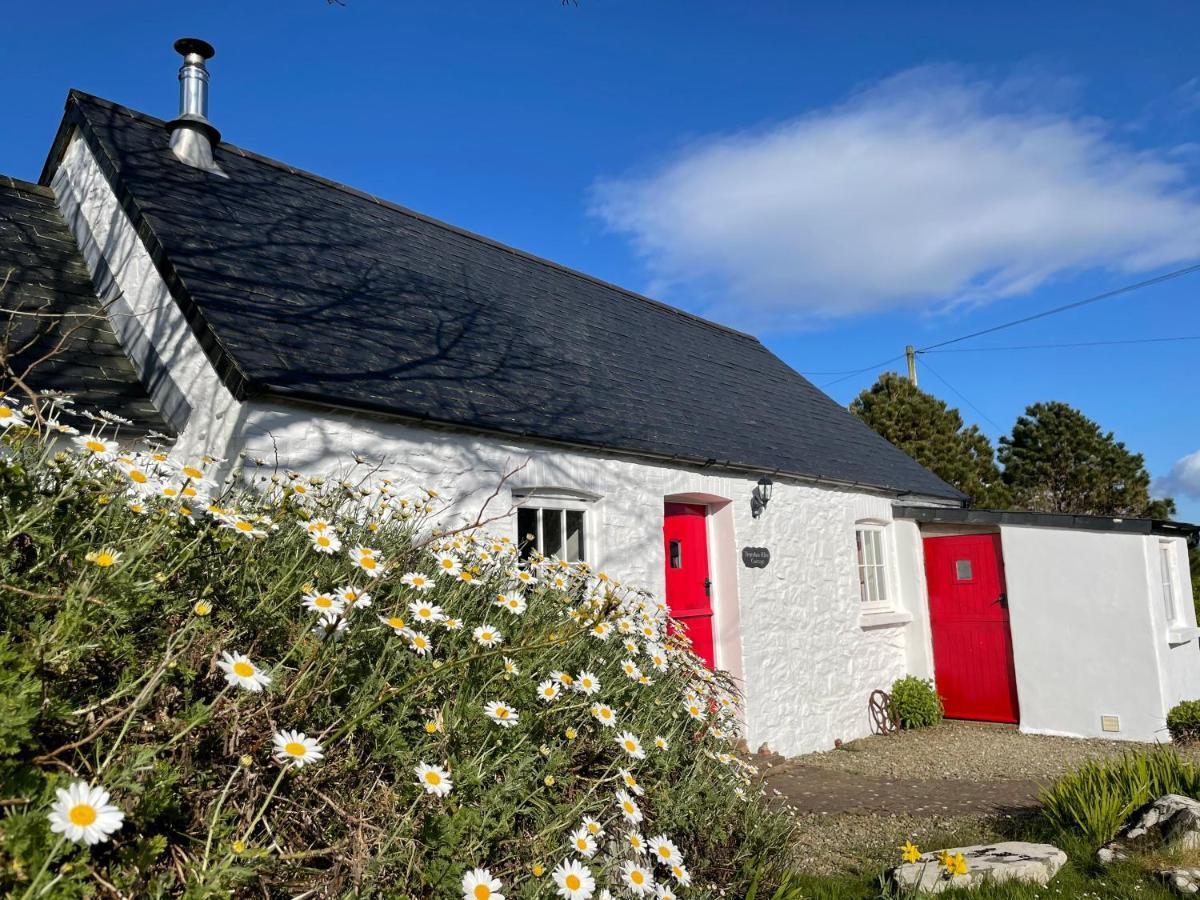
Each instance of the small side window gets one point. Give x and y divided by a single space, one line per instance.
962 569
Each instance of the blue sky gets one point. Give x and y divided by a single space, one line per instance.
840 180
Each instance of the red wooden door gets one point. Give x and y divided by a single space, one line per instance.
968 614
685 539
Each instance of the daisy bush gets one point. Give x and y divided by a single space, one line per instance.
275 684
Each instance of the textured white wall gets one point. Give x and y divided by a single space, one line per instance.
790 633
805 661
1089 635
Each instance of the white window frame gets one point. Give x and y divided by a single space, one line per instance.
882 568
1169 583
558 501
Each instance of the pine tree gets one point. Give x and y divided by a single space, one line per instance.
933 434
1059 460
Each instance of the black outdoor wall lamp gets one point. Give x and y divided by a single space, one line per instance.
760 497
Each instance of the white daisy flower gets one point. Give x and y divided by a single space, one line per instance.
662 892
574 880
631 781
417 581
604 714
514 603
524 577
448 564
395 623
366 559
665 851
636 842
587 683
240 672
548 691
638 878
434 779
694 708
452 624
426 612
295 748
330 625
325 542
630 745
661 743
629 807
93 445
501 713
83 814
681 875
630 668
601 630
593 827
10 414
321 602
582 842
478 884
353 598
510 667
487 636
418 643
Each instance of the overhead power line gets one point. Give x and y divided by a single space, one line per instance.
1161 340
963 397
1159 279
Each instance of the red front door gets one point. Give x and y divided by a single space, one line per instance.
968 614
685 539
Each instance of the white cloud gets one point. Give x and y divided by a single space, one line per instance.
926 190
1184 478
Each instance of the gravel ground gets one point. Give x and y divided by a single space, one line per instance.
828 844
965 750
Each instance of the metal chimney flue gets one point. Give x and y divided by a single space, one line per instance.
193 137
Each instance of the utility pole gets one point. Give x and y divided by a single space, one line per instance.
911 356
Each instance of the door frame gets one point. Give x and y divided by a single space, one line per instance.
936 532
721 538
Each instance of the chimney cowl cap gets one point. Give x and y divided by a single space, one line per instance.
187 45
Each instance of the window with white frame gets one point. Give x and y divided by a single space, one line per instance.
553 526
1166 568
874 590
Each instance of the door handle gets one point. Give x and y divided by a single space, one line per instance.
707 587
1003 600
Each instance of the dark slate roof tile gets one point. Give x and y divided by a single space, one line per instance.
305 289
46 274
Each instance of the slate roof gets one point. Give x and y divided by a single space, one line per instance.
46 282
301 288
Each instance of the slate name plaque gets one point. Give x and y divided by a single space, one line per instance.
756 557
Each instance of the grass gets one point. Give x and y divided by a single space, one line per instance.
1082 877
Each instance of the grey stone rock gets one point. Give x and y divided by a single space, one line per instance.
1170 821
1182 880
986 863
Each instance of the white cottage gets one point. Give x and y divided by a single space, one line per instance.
254 308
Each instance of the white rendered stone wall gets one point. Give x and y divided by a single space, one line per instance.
791 633
1090 636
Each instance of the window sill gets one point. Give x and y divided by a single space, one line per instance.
884 619
1176 636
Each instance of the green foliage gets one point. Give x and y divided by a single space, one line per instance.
1183 722
1097 798
934 435
1058 460
110 675
915 702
